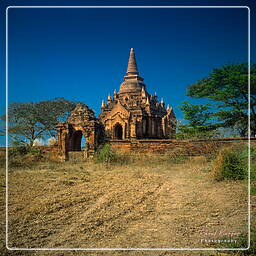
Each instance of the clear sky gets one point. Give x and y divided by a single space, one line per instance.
82 54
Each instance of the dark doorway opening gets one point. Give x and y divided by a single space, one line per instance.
118 132
76 141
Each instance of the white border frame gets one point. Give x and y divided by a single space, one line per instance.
131 249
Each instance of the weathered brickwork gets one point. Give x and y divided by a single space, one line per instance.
184 147
172 146
81 122
52 153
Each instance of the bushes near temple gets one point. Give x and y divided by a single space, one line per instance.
24 156
232 163
105 154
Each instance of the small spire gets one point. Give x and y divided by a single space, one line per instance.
168 107
143 93
109 98
132 68
115 95
147 102
162 102
103 104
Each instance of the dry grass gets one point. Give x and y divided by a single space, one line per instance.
154 201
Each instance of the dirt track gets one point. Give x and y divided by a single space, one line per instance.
91 206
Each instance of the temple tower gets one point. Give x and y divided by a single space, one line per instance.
133 113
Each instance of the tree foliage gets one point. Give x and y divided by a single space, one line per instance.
197 115
227 88
198 121
34 120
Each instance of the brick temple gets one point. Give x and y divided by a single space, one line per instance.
132 113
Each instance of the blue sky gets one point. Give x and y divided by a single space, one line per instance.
82 54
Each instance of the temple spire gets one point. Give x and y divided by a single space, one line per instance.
109 99
132 68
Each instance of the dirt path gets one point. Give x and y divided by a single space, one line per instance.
126 207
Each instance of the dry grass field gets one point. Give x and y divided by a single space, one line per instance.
150 202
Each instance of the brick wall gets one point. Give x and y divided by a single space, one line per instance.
156 146
186 147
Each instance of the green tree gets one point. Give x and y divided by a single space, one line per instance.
34 120
198 121
227 89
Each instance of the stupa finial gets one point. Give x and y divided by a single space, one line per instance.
132 68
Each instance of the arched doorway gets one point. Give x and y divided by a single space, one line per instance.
118 131
76 139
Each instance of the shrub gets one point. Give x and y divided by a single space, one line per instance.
105 154
230 163
24 156
20 150
34 151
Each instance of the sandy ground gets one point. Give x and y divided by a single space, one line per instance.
131 206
